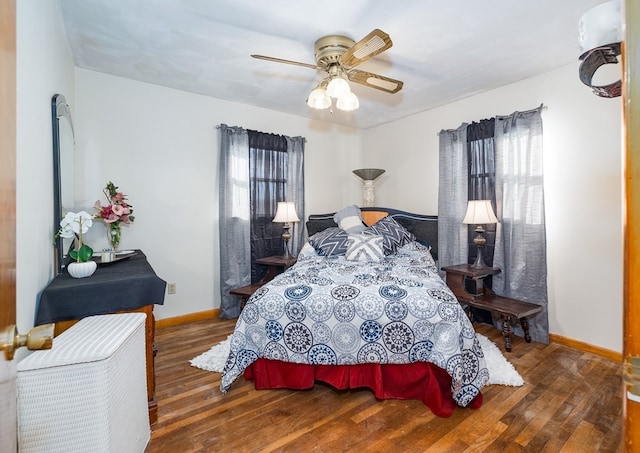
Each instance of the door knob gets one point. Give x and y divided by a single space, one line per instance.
39 337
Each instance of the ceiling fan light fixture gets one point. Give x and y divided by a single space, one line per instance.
319 99
338 87
348 102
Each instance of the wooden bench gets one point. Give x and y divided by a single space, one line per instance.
275 265
508 309
483 298
245 292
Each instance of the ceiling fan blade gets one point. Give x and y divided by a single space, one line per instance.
375 81
280 60
371 45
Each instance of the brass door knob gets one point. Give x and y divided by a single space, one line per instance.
39 337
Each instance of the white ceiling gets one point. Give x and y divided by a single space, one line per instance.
443 50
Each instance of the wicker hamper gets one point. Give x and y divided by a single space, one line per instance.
88 393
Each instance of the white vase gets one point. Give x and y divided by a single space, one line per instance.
80 270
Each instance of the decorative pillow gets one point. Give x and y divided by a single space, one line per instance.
307 250
394 234
350 219
330 242
362 247
371 217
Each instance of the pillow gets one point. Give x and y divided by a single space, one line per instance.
362 247
307 250
394 234
350 219
371 217
329 242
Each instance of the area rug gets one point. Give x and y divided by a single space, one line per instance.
501 372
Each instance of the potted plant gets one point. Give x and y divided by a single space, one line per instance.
73 226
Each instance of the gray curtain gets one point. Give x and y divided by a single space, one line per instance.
520 249
234 210
295 189
234 222
452 197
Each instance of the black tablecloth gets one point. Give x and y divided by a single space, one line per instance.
119 286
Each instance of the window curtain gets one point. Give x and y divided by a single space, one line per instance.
482 179
520 249
268 162
452 197
234 222
256 171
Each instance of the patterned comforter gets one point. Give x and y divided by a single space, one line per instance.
328 310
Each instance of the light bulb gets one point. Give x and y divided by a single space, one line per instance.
338 87
348 102
319 99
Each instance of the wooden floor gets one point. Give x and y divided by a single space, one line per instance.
571 402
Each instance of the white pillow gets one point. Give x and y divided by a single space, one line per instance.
350 219
364 248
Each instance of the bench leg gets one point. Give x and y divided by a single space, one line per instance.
506 332
525 327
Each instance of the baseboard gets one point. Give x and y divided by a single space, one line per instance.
586 347
191 317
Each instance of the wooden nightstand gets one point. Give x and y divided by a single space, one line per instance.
486 299
275 265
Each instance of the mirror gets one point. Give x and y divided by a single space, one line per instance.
63 173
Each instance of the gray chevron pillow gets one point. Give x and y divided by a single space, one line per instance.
362 247
330 242
394 234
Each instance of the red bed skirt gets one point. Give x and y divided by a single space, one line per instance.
421 381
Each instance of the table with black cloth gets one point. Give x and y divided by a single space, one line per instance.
124 286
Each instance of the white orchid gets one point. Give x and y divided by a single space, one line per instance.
76 224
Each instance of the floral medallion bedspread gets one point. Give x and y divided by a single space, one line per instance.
328 310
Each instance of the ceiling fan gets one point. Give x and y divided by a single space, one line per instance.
338 56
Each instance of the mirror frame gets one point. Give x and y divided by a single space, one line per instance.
59 109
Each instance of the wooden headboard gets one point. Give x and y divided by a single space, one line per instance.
423 227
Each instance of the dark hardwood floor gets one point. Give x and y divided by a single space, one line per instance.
571 402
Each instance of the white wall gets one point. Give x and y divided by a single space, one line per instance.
44 68
160 146
583 189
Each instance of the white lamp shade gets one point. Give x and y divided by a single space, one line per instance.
338 87
348 102
479 212
286 213
319 99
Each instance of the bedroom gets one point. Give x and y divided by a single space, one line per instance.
128 126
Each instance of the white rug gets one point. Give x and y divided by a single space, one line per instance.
500 370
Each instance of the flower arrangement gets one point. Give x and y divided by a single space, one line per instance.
116 212
74 225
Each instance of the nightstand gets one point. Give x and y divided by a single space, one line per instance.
275 265
457 274
486 299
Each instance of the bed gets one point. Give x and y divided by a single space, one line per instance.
369 312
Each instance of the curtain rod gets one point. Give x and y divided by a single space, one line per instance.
542 107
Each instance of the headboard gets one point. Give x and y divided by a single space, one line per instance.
423 227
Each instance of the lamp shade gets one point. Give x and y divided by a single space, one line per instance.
347 102
479 212
319 99
286 213
368 174
338 87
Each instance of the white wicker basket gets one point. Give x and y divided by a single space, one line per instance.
89 392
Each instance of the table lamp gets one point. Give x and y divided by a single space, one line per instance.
368 176
286 213
479 213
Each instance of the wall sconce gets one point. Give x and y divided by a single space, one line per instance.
600 38
368 176
286 213
479 212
